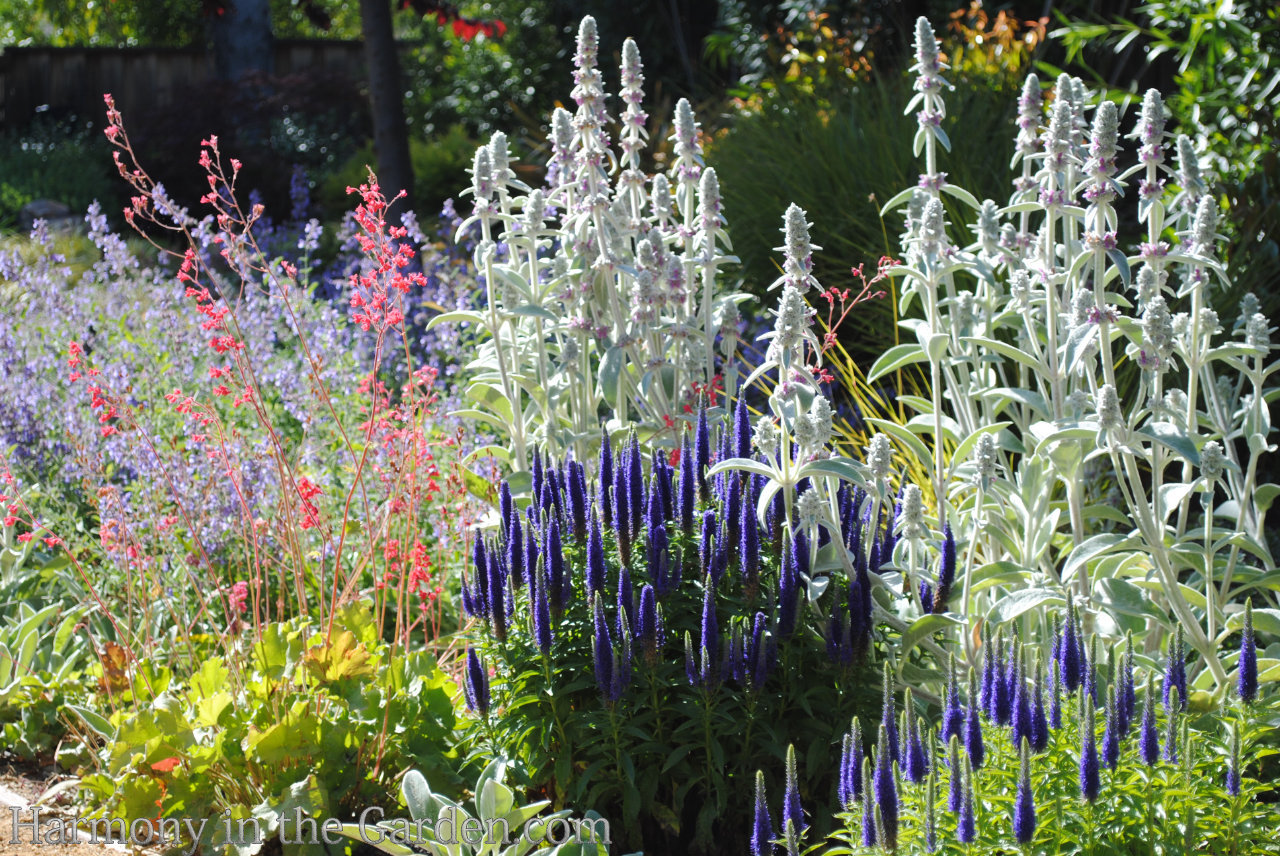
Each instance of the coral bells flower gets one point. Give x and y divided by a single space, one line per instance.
238 596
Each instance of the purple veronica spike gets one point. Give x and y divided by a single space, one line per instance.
515 552
687 496
987 690
475 602
1024 805
837 631
506 507
530 555
707 543
477 688
914 767
577 501
595 559
1111 733
1175 674
1071 670
626 602
547 498
749 546
662 484
1021 719
558 586
655 515
955 792
622 511
1170 752
1091 685
1039 723
603 650
868 807
1001 712
926 596
886 791
966 829
621 660
741 430
702 453
1055 698
788 590
762 827
659 561
635 486
791 810
606 477
851 772
1148 742
946 571
1126 697
888 714
1247 683
1089 780
541 611
844 790
537 476
734 667
732 508
973 727
757 654
647 624
710 646
497 592
690 663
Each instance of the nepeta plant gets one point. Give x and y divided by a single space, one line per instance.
603 303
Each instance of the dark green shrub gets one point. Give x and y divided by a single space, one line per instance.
68 162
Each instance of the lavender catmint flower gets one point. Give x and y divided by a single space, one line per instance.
762 825
1024 806
1175 674
1089 781
886 791
1247 681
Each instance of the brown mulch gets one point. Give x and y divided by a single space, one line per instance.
28 784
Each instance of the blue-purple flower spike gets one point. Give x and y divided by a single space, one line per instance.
626 601
605 476
1089 779
595 559
791 810
1233 763
1039 722
886 791
635 486
741 430
559 586
702 454
966 828
688 488
889 714
603 651
914 766
749 547
477 687
868 807
973 726
946 571
788 589
1111 733
1175 674
955 791
647 624
541 610
1024 805
762 826
1071 671
1247 682
1148 741
952 712
710 646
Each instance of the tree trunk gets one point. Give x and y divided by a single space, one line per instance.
386 101
242 40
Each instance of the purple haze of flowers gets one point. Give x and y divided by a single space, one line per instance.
635 487
762 826
515 551
973 727
622 509
1089 779
886 791
1175 674
1247 683
1024 806
1055 698
499 608
647 624
749 546
477 683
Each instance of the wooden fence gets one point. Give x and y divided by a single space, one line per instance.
71 80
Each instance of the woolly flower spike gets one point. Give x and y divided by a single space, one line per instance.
1150 128
880 458
1247 683
984 460
710 220
1024 805
1258 331
933 229
886 793
477 688
1109 415
762 827
482 179
1030 108
911 518
1189 175
1175 673
1157 334
1203 228
797 250
1213 463
588 44
1089 780
926 46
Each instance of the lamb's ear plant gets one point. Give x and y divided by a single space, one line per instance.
603 295
1082 434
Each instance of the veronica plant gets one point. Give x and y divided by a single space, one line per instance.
1074 413
602 285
